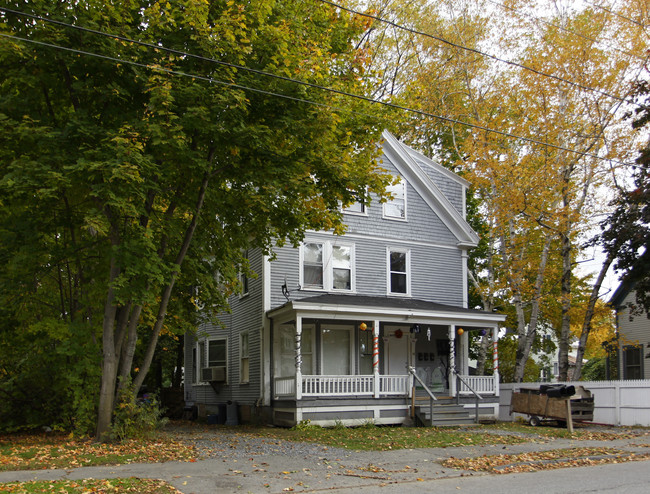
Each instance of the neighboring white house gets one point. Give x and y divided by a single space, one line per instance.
329 331
633 330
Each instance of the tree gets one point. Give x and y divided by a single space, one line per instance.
131 173
561 88
626 232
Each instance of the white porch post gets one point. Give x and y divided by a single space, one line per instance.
298 358
495 359
452 360
375 357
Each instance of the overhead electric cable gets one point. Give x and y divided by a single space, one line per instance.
609 11
478 52
556 26
301 100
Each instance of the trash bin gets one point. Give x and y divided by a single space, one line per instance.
221 417
212 419
231 414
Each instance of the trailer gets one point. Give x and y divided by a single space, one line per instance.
561 403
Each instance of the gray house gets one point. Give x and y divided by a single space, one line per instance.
345 328
633 330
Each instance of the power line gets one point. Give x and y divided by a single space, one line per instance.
238 86
479 52
561 28
352 95
609 11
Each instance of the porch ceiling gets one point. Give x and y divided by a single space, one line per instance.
386 309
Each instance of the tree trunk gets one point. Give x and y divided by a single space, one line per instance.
109 363
589 314
166 296
527 332
565 331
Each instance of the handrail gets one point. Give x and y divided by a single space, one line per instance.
468 386
478 397
429 392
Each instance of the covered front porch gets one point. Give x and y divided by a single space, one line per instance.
352 359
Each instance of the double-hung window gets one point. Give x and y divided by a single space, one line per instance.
395 208
312 265
327 266
244 365
633 362
209 353
398 272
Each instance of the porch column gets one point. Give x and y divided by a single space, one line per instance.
495 359
375 357
298 358
452 360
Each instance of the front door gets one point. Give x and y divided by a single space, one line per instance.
397 351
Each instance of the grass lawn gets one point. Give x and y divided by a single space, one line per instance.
139 486
47 451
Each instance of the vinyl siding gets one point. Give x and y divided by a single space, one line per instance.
634 329
246 315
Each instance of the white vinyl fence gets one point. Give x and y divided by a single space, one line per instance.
615 402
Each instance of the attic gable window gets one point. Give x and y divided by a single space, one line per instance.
396 207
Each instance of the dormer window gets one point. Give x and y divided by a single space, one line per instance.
396 207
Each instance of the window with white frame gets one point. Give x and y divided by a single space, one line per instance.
327 266
357 207
243 279
244 365
312 265
210 353
395 208
398 271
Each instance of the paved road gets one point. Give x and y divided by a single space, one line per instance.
258 466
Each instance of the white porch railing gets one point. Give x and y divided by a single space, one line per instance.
394 385
483 385
342 386
337 385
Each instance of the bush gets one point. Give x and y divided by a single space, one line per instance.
135 418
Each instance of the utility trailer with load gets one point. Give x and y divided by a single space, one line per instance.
563 403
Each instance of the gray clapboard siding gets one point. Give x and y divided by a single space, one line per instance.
634 329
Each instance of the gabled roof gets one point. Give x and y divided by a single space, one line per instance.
407 161
621 292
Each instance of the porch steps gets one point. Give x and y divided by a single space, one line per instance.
444 414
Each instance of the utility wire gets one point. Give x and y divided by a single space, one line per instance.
479 52
561 28
268 74
609 11
300 100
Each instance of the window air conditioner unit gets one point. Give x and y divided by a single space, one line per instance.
213 373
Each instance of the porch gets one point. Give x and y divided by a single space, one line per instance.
352 358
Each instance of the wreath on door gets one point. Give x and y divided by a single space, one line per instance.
398 333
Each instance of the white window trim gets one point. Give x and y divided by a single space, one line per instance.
408 271
241 276
207 341
328 266
351 354
356 213
397 218
241 357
